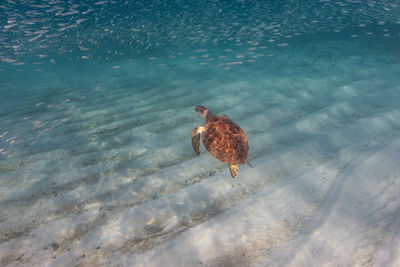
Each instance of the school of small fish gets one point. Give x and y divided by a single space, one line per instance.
37 31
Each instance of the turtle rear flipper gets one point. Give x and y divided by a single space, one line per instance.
196 140
234 169
248 163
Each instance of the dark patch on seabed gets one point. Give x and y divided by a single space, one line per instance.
96 113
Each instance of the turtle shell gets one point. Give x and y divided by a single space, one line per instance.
225 140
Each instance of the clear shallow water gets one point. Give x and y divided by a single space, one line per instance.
97 107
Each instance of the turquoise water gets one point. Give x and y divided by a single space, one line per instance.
97 108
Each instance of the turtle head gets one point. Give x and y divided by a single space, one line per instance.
201 110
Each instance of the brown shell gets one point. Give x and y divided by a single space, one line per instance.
225 140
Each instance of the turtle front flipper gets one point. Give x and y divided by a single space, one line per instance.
226 117
196 139
234 170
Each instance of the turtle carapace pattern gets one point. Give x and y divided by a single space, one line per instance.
223 138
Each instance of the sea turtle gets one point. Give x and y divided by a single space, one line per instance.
223 138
